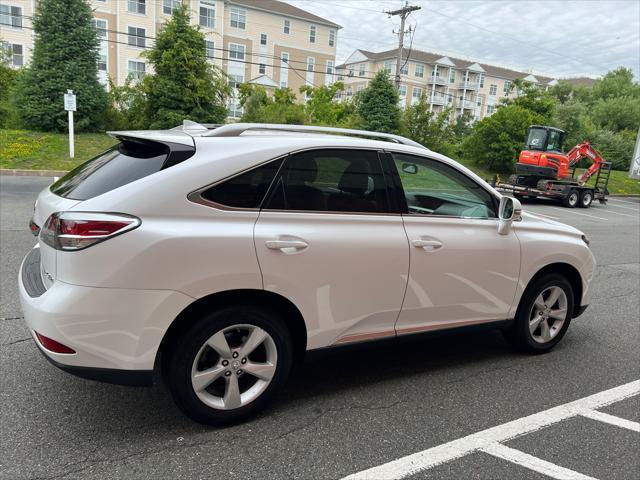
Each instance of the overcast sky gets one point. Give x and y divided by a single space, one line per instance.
557 38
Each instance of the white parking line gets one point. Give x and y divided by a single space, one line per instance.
611 419
582 214
625 207
420 461
534 463
621 201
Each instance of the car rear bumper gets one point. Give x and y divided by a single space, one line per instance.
114 332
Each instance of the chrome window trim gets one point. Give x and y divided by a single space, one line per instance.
196 195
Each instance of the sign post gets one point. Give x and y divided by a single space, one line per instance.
70 107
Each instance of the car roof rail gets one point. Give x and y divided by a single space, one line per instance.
237 129
195 128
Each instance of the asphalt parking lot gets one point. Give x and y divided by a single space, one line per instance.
463 406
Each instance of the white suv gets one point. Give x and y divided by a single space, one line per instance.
219 255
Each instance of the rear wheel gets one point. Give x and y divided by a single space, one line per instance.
572 199
543 315
586 197
229 364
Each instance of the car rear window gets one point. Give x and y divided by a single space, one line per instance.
124 163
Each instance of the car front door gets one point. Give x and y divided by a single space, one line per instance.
327 241
462 271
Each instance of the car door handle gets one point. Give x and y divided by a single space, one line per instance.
428 245
286 246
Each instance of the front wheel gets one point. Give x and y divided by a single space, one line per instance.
229 364
572 199
543 315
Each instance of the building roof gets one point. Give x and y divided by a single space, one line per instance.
491 70
285 9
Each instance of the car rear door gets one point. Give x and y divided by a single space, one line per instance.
462 271
327 241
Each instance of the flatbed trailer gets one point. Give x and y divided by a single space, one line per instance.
570 192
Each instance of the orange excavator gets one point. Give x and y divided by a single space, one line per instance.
544 171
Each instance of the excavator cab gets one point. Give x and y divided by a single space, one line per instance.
545 139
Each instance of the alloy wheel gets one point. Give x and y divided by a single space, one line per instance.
234 366
548 314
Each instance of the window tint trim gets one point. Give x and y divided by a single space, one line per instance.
278 177
197 197
404 205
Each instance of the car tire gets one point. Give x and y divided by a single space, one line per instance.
572 200
528 332
586 197
214 375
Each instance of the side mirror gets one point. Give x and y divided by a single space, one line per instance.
510 209
410 168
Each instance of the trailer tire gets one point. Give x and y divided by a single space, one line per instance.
572 199
586 197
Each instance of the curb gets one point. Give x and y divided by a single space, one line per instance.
32 173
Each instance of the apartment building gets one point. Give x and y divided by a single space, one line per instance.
462 85
265 42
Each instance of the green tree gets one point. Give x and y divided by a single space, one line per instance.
431 129
8 78
616 83
128 109
532 98
185 85
321 107
281 107
378 106
65 56
497 140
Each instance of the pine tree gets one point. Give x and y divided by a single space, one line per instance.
185 85
378 106
65 56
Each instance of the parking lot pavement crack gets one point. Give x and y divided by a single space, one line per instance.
11 318
15 341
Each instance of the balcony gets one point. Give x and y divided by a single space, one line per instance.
466 104
438 80
437 99
469 85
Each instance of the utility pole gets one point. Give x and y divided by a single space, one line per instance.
403 13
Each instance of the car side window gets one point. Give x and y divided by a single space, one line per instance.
331 180
246 190
434 188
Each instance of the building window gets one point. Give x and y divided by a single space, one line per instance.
208 14
332 38
388 64
312 33
235 109
311 63
15 52
238 18
361 69
236 80
452 76
350 71
416 94
402 90
101 27
349 92
481 80
210 49
11 16
169 5
507 87
286 26
263 39
236 51
137 6
330 68
404 69
136 37
419 70
490 109
285 59
136 69
262 68
493 89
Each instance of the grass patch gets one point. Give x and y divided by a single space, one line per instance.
22 149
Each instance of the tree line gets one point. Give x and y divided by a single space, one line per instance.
184 85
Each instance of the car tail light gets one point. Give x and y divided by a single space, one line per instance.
77 230
52 345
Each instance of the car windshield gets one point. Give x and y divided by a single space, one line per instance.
536 138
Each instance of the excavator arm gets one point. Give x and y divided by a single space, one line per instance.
585 150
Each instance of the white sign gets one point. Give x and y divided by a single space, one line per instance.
634 170
69 101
